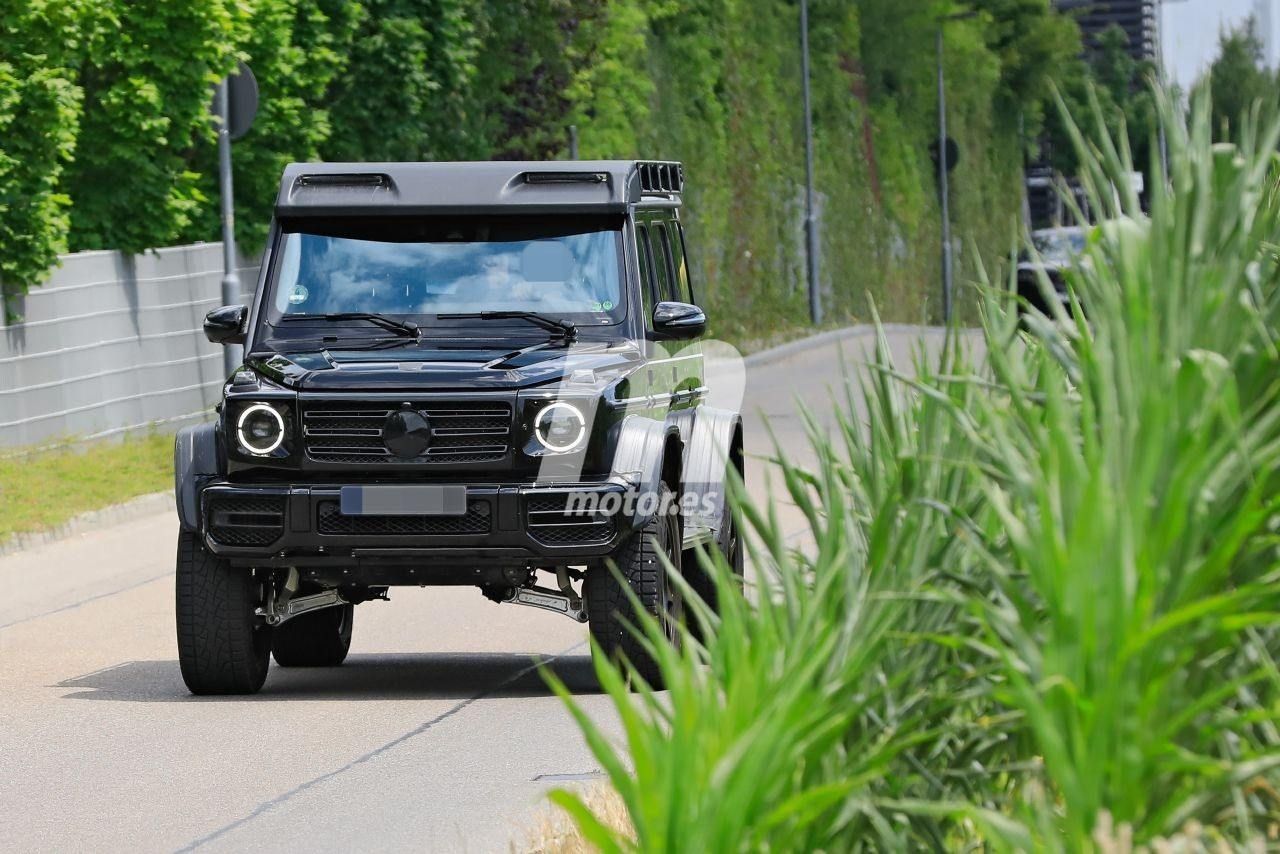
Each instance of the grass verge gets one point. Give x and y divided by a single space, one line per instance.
41 490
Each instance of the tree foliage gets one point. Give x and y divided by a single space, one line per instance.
1119 86
39 120
1032 43
715 83
1239 79
297 49
147 73
404 95
530 53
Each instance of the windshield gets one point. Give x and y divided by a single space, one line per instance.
1058 245
417 268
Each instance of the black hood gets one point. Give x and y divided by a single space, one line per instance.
440 369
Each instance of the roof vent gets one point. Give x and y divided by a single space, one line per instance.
661 178
565 177
345 179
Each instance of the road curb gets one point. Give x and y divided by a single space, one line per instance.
115 514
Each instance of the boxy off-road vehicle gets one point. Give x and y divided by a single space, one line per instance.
454 374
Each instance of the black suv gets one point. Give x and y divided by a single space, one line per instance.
454 373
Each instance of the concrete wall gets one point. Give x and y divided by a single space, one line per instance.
113 343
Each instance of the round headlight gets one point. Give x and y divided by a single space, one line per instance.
260 429
561 427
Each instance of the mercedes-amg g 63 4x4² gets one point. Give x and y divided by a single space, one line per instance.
454 373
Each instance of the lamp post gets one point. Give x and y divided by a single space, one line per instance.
944 167
944 189
810 202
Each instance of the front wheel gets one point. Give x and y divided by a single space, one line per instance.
223 647
639 561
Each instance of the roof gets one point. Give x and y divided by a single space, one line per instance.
533 187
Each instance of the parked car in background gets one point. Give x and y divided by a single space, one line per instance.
1057 252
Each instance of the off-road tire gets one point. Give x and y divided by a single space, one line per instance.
318 639
639 561
729 544
223 648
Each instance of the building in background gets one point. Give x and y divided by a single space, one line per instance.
1180 37
1140 20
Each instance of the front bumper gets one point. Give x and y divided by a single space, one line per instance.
301 525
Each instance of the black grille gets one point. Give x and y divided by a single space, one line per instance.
475 521
242 521
553 523
461 432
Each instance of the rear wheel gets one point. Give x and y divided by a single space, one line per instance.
318 639
640 563
223 647
731 546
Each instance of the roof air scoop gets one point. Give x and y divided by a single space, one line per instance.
661 178
565 177
344 180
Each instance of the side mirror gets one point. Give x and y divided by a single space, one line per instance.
678 320
226 325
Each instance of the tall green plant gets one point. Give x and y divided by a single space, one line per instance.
758 735
1134 501
836 708
1041 600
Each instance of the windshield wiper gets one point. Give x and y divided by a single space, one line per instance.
402 328
561 330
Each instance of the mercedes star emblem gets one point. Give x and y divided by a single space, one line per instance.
406 433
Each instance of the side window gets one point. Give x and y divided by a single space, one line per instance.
646 270
662 260
683 279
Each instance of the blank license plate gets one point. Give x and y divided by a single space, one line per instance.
409 500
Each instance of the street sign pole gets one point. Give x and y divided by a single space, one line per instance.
810 212
230 279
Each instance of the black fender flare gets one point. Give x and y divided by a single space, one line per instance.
639 447
195 461
711 445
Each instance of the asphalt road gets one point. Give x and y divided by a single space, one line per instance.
437 734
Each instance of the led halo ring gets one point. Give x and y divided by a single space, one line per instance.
244 416
539 425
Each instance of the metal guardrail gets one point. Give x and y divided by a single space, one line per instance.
112 344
